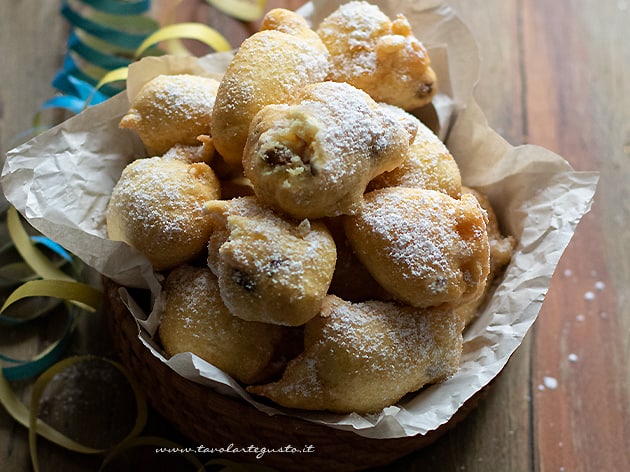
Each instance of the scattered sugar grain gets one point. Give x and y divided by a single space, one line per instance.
568 272
573 357
589 296
550 383
599 285
580 317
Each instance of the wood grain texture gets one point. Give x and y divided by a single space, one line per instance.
32 37
554 74
582 334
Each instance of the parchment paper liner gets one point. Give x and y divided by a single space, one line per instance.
61 181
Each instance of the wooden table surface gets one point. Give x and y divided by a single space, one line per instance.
554 73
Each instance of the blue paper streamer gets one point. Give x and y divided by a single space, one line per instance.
53 246
94 56
113 36
77 88
72 79
23 370
120 7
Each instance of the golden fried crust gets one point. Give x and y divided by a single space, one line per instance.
429 165
366 46
267 68
196 320
289 22
422 246
315 156
172 109
501 250
363 357
270 268
157 206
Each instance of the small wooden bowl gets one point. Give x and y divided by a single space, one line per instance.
214 420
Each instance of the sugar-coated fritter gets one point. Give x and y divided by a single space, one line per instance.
196 320
423 246
501 250
172 109
315 156
378 55
158 207
270 268
363 357
429 164
268 67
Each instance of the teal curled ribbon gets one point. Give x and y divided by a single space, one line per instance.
95 56
71 80
106 28
20 369
120 7
102 38
27 369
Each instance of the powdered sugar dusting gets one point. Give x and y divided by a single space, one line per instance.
354 129
421 235
353 27
160 196
182 97
365 356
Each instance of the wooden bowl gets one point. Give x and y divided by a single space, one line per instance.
214 420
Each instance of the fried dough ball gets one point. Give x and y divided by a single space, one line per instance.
172 109
157 206
314 157
366 356
268 68
287 21
378 55
501 250
422 246
429 165
270 269
196 320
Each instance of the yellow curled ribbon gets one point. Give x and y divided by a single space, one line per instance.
244 10
36 426
54 282
169 34
29 417
197 31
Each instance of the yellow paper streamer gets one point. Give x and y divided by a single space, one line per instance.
245 10
112 76
55 283
86 295
40 264
36 426
197 31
